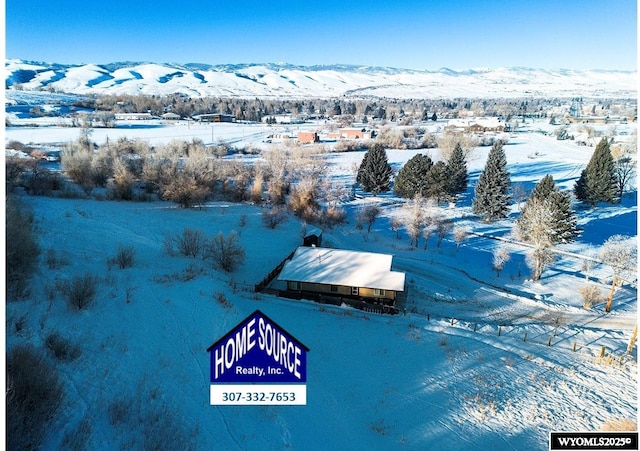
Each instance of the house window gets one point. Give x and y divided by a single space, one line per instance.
334 288
378 292
354 291
294 285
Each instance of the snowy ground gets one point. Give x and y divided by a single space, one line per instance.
454 372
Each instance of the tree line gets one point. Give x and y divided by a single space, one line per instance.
360 109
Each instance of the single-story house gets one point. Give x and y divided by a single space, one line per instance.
352 133
477 125
170 116
282 119
132 116
365 276
214 117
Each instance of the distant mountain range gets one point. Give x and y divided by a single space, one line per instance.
280 80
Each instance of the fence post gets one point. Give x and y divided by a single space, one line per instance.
475 327
549 342
525 337
602 351
452 320
499 330
634 335
574 346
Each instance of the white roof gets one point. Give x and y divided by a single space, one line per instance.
341 267
489 122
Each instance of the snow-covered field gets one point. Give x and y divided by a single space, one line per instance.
476 362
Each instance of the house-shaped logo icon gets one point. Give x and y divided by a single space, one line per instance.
258 350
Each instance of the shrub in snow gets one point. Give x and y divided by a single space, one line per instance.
189 244
43 182
622 424
271 217
225 251
77 163
590 295
222 299
34 394
121 187
144 421
62 348
186 191
125 257
334 216
303 199
80 291
22 249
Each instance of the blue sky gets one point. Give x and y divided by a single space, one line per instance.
426 34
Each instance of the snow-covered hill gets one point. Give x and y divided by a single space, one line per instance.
290 81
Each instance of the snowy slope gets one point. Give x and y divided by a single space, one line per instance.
454 373
283 80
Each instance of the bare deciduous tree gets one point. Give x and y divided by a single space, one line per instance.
501 256
415 219
443 227
448 141
460 233
185 190
369 215
396 223
536 229
619 253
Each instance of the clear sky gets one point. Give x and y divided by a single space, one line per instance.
416 34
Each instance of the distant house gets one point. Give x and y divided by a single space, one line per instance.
133 116
214 117
476 125
351 275
352 133
282 119
170 117
308 137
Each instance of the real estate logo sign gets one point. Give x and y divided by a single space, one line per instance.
258 362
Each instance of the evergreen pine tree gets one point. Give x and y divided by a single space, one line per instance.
362 169
598 181
561 223
544 187
412 177
491 200
438 181
457 165
375 172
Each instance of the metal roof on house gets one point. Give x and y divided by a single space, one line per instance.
341 267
